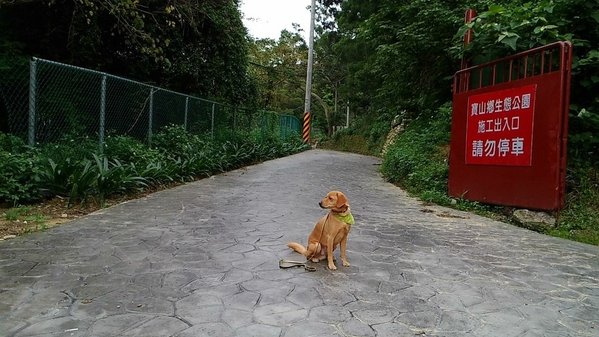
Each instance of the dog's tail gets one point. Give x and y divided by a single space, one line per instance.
297 247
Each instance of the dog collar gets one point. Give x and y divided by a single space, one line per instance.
346 218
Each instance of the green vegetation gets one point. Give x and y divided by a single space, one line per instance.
418 159
366 135
124 166
347 141
16 212
400 58
578 220
28 216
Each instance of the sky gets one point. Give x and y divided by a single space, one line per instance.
266 18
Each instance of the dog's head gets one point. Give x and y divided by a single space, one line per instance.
335 200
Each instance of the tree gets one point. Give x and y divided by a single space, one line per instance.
199 47
397 55
279 68
500 30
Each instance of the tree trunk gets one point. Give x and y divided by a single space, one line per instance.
326 113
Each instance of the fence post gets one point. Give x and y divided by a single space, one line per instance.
186 110
102 112
151 115
32 98
212 122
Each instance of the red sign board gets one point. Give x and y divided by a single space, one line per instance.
499 127
509 129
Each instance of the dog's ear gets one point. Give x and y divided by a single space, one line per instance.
341 200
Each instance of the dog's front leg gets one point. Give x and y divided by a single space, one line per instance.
330 248
342 247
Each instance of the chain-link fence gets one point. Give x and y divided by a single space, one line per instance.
45 100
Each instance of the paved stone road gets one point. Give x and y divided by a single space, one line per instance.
202 260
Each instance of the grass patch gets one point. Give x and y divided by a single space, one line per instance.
13 214
366 136
343 141
579 220
24 217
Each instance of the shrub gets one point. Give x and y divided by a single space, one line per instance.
112 177
377 134
130 150
175 142
156 173
294 144
12 144
17 172
417 160
75 168
82 182
54 178
73 149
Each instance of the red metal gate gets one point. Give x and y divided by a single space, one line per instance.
509 129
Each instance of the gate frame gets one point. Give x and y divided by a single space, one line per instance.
529 67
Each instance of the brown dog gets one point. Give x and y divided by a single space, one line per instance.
331 230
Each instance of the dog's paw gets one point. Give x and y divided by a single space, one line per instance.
346 264
318 259
332 267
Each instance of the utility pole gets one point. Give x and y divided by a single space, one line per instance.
347 116
468 35
308 99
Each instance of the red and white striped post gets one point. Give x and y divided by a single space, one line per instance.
306 127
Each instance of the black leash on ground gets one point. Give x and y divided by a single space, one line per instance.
284 264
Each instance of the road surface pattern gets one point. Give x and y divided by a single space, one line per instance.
202 260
